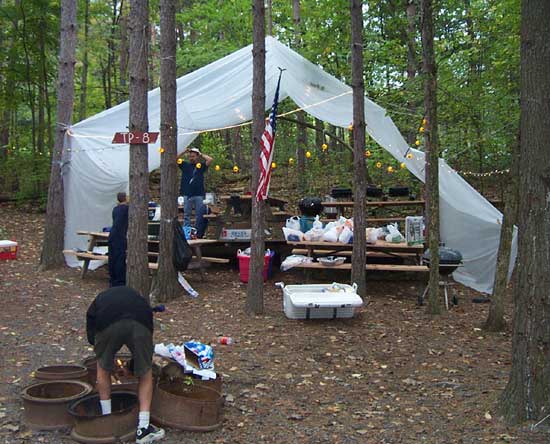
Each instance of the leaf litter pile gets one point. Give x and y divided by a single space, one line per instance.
390 375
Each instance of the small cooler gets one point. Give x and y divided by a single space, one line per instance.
320 301
8 250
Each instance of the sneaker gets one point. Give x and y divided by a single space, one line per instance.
150 434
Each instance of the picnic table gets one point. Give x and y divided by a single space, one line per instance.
381 248
234 221
98 238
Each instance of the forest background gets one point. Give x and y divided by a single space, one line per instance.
477 53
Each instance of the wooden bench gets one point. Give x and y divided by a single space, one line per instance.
369 267
87 256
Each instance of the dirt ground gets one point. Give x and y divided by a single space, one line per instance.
390 375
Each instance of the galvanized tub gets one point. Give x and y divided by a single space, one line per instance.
90 426
45 403
62 372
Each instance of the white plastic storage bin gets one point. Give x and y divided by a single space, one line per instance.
320 301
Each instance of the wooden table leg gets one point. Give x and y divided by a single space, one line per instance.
91 245
85 266
198 255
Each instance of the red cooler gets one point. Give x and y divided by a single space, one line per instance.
244 265
8 250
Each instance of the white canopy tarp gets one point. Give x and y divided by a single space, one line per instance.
219 95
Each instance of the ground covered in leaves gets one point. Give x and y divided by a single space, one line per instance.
390 375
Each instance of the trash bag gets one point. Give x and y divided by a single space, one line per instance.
293 223
182 251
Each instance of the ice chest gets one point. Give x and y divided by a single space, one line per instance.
320 301
8 250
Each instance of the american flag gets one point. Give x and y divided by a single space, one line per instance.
267 143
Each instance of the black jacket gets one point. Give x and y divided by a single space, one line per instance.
115 304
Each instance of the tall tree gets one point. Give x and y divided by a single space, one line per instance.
255 290
166 286
431 152
527 395
411 61
137 262
85 63
270 17
301 129
52 248
359 256
495 319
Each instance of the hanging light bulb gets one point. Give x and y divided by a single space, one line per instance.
421 129
235 169
409 156
290 161
273 165
180 161
390 169
378 164
417 143
368 153
350 127
324 147
217 168
161 150
424 122
402 165
198 166
308 154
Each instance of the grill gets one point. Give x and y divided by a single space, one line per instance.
341 193
449 260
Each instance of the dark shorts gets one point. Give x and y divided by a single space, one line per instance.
127 332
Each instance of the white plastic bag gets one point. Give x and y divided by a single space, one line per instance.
332 234
293 235
293 260
372 235
314 235
395 236
345 235
317 223
293 223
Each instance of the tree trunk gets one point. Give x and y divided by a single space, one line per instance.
411 63
42 87
320 140
237 148
123 55
527 395
152 47
495 319
359 255
137 262
269 17
255 291
301 130
84 78
166 285
54 232
431 153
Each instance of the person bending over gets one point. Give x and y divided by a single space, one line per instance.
192 187
121 316
118 243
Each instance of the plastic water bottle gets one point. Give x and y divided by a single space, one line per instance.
225 340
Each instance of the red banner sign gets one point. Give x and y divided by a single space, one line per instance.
135 138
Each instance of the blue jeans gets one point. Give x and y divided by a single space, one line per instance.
196 202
